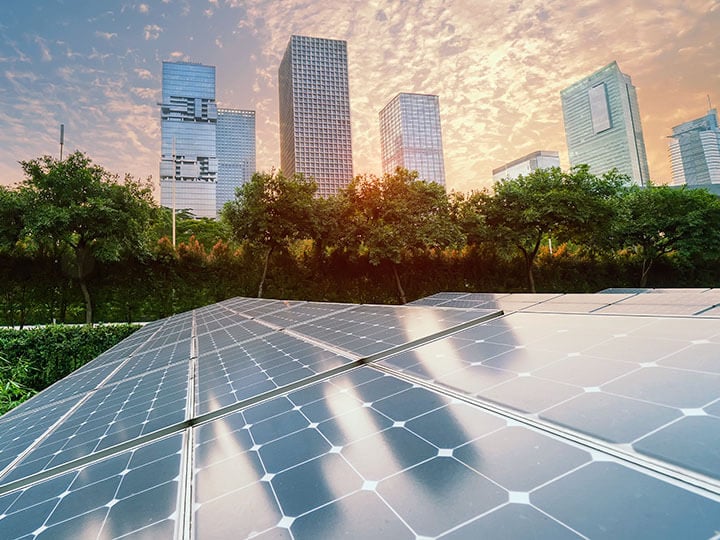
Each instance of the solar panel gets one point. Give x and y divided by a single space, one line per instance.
272 419
601 377
135 491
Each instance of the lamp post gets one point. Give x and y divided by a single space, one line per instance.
173 190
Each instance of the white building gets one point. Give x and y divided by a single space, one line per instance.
695 151
541 159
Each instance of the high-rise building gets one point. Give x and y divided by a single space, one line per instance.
602 124
188 163
315 137
695 151
235 152
542 159
410 136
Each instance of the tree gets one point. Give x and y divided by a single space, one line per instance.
657 221
12 209
271 211
77 205
574 205
391 217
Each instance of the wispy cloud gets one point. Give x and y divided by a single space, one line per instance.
45 55
106 35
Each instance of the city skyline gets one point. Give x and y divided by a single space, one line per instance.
97 69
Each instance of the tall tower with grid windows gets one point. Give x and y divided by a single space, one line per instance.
410 136
188 122
602 124
695 151
235 152
315 134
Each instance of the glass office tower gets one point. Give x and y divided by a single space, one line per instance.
411 137
235 152
695 151
315 136
188 172
602 124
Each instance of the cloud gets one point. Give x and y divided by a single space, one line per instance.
143 73
105 35
143 8
44 50
152 31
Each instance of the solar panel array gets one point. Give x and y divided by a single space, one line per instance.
700 302
274 419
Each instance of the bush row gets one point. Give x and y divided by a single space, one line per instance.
37 357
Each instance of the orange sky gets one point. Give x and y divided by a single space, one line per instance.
498 68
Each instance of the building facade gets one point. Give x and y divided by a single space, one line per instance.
602 124
695 151
188 122
541 159
315 132
411 136
235 152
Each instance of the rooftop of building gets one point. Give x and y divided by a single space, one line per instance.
527 157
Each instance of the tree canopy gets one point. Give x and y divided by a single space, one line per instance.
271 211
573 205
657 221
394 216
77 205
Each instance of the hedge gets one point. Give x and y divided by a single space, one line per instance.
52 352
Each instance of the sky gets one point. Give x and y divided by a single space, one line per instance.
497 65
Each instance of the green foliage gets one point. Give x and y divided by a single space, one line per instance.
52 352
657 221
393 217
13 384
205 230
569 206
381 240
79 207
271 211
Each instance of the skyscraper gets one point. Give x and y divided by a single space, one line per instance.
602 124
695 151
315 137
542 159
410 136
189 118
235 152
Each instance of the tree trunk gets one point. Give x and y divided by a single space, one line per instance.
264 272
82 255
530 277
646 265
88 302
401 292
